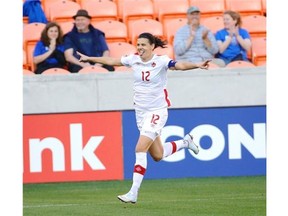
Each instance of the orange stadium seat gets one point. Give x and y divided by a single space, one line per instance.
171 26
46 6
25 64
82 2
120 6
66 26
63 11
135 10
264 9
239 64
255 25
27 72
259 51
209 8
56 71
245 7
93 69
100 10
213 65
214 23
145 25
29 55
158 4
119 49
31 35
25 20
171 10
115 31
123 69
169 51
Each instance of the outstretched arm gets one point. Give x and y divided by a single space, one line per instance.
189 65
102 60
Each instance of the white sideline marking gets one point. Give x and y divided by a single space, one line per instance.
142 201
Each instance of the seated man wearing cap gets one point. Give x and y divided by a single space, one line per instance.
194 42
85 39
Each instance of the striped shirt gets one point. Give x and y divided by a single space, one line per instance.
197 52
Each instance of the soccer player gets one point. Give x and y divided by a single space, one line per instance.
150 102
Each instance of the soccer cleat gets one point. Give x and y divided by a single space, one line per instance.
191 144
128 197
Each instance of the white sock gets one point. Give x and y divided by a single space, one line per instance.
170 148
139 171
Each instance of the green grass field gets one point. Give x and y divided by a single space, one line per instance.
233 196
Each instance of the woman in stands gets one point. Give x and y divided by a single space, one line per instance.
151 103
49 50
233 41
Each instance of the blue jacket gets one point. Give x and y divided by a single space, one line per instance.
34 11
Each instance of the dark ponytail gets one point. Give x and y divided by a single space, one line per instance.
153 40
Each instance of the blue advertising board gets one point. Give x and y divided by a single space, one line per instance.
232 143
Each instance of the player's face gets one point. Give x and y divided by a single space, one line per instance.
144 48
53 32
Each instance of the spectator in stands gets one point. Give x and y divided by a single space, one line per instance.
49 50
194 42
34 11
233 41
86 39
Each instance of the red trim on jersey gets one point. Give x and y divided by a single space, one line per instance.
166 97
139 169
174 147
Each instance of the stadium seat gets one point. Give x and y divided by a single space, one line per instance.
209 8
214 23
31 35
255 25
169 51
46 6
100 10
259 51
119 49
56 71
239 64
66 26
123 69
63 11
145 25
93 69
245 7
171 9
171 26
264 9
32 32
25 64
115 31
28 72
120 6
213 65
135 10
25 20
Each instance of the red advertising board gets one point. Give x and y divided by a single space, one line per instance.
72 147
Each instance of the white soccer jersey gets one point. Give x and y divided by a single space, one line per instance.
150 80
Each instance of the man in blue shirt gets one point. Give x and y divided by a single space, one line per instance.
86 39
